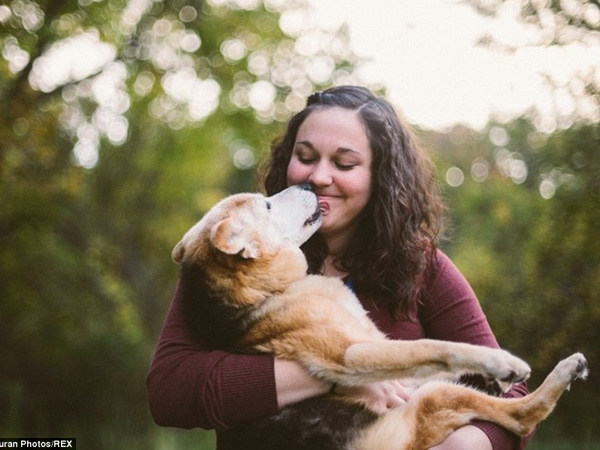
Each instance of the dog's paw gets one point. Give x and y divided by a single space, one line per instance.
571 368
506 369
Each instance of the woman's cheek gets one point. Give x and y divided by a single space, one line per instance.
296 174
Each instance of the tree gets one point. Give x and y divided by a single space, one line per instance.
102 168
559 262
526 237
571 27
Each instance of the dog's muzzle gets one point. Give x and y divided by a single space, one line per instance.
314 218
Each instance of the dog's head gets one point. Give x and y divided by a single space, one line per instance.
251 229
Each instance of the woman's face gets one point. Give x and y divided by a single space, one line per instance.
332 152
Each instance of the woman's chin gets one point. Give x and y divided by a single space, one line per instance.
325 227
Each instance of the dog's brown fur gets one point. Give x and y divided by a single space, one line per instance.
253 264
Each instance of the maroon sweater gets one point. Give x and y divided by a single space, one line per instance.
189 386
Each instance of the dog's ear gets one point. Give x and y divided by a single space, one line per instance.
233 239
178 252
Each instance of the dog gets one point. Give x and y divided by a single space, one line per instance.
245 289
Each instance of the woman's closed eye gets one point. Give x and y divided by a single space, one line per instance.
345 166
306 160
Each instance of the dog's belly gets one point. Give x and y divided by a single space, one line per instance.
320 423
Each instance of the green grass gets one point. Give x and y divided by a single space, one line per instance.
133 435
177 439
174 439
551 435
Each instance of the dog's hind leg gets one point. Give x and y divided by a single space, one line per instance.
439 408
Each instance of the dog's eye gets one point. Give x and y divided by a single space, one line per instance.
268 205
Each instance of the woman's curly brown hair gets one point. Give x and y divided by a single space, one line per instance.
403 220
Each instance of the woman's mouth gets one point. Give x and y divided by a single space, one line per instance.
325 202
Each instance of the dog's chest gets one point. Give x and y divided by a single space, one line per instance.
326 299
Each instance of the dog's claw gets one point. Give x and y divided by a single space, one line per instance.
511 378
508 370
581 370
572 368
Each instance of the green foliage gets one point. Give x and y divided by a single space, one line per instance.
103 167
553 305
102 170
557 25
533 261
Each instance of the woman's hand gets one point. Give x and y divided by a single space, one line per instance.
379 396
294 384
465 438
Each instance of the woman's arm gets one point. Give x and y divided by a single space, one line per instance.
470 435
190 386
294 383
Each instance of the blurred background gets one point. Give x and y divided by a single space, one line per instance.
123 121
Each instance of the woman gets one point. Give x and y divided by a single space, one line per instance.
382 216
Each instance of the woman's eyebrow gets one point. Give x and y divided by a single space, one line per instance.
348 150
339 150
306 144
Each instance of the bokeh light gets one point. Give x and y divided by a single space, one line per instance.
455 176
70 60
499 136
17 57
480 170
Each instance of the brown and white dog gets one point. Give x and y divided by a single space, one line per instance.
245 289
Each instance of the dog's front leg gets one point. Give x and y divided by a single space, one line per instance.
382 359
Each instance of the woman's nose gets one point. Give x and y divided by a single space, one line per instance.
320 176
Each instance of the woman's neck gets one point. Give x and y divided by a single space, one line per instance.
336 247
330 268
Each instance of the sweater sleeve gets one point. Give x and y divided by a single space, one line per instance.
189 386
450 311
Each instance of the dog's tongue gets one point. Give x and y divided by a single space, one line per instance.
324 208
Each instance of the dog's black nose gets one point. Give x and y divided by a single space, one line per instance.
306 186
